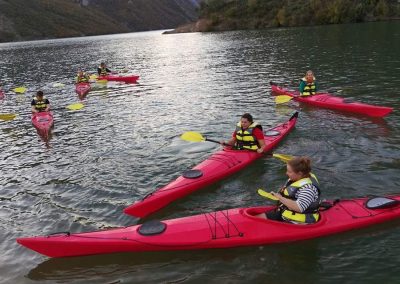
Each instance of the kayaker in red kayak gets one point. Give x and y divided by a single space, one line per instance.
82 77
247 136
308 85
102 70
40 103
299 199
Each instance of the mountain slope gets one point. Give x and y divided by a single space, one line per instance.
38 19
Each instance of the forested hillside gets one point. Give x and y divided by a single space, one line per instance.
38 19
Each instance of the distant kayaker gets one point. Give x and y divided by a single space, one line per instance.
299 199
102 70
40 103
247 136
308 85
82 77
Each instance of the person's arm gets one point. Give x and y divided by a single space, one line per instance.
302 86
33 108
231 141
48 105
289 203
98 71
259 135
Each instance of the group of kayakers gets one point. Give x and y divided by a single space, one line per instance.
299 198
40 103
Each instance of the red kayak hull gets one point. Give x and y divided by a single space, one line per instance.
325 100
222 229
126 79
1 94
42 121
218 166
82 89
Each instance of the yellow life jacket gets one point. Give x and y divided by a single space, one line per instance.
245 138
82 79
309 89
40 105
310 215
103 71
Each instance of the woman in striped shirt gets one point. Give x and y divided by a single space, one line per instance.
299 199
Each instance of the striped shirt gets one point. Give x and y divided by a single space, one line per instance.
306 195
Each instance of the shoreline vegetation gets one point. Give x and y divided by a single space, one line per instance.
227 15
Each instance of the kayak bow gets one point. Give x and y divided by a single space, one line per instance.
42 121
82 89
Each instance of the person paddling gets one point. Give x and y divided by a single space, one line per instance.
308 85
82 77
40 103
102 70
299 199
247 136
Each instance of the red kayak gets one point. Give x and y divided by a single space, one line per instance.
43 121
222 229
1 94
325 100
220 165
82 89
126 79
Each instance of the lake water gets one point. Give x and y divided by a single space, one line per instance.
125 143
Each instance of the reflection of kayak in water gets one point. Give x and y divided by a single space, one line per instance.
218 166
126 79
222 229
325 100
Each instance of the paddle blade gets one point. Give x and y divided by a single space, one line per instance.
76 106
265 194
7 116
92 77
19 90
282 157
58 85
192 136
282 99
102 81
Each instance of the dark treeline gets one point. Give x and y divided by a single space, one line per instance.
255 14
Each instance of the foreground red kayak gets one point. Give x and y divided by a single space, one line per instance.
126 79
222 229
42 121
220 165
82 89
326 100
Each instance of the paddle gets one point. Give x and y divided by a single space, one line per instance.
11 116
282 99
19 90
58 85
265 194
193 136
76 106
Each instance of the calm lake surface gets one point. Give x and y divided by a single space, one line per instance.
125 143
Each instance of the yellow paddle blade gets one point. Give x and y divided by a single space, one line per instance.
192 136
76 106
7 116
265 194
58 85
93 76
19 90
282 99
282 157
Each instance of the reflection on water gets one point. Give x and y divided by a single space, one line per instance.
124 144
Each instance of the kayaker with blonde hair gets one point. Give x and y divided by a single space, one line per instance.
308 85
299 199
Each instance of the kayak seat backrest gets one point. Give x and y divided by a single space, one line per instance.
380 203
192 174
151 228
